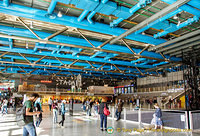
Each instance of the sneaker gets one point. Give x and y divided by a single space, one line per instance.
101 129
105 129
58 125
62 127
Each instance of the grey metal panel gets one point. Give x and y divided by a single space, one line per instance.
196 120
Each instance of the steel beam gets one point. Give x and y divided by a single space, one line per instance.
140 71
117 68
185 50
186 36
39 60
143 49
60 61
149 20
128 46
102 66
4 54
25 58
55 34
72 63
183 47
28 27
85 38
179 44
33 71
23 70
90 64
74 46
106 42
52 66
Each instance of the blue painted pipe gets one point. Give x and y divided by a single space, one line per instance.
83 15
89 17
69 56
186 23
38 14
116 22
140 4
185 7
104 1
54 62
73 40
6 3
194 3
159 20
135 8
52 6
11 43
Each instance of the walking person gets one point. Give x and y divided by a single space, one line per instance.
90 107
158 115
5 106
29 128
38 107
119 110
103 117
62 114
50 102
96 107
55 111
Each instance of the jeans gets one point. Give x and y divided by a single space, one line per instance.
63 119
37 123
55 115
118 114
50 107
103 119
29 130
4 107
89 112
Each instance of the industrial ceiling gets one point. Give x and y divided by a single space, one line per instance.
105 39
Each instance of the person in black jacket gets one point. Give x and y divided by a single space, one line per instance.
38 107
103 117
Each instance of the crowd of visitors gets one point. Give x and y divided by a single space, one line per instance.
96 108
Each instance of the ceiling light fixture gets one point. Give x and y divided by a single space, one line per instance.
59 14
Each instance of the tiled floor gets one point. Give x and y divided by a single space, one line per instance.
79 125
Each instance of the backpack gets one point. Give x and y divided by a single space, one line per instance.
106 111
20 116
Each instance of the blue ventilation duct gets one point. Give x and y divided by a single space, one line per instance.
89 18
159 20
194 3
37 14
6 3
174 27
76 41
83 15
124 13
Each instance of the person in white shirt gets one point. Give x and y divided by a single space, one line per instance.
50 102
5 106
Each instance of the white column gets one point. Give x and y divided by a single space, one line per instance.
113 112
186 120
191 120
124 114
131 106
139 116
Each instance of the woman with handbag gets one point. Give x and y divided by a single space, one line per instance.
104 112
